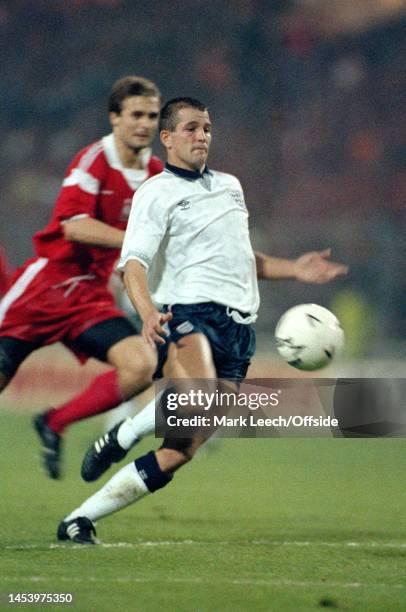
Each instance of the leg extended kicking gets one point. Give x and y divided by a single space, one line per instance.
190 359
115 444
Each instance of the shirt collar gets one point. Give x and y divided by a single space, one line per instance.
187 174
110 150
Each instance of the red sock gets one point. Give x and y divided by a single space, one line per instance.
103 394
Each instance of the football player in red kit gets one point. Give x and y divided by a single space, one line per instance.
62 294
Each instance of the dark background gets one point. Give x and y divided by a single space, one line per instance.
307 100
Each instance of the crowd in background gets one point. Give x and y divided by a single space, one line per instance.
312 126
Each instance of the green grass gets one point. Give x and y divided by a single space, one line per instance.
277 524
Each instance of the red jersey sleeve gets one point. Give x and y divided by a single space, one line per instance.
82 184
95 185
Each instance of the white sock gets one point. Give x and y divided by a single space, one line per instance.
124 488
124 410
139 426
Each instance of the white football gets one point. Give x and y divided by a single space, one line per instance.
309 336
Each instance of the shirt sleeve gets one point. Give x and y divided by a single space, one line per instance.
146 227
81 185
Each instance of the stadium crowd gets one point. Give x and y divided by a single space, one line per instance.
314 125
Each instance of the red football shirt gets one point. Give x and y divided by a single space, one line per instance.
96 185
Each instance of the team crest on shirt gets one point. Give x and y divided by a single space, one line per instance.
237 197
184 204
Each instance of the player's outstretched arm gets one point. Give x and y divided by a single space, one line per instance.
313 267
93 232
135 280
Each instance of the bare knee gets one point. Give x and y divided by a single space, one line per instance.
135 363
138 369
135 376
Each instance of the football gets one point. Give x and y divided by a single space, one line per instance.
309 336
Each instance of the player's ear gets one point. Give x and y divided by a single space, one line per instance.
165 136
114 118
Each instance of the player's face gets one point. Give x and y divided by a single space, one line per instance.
137 123
188 146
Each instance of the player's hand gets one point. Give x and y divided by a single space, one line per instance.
314 267
153 331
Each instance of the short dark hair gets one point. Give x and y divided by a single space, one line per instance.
131 86
170 110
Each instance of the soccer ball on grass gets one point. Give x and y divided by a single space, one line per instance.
308 336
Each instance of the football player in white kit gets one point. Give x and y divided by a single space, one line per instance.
187 247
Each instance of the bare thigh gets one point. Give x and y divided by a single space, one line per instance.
189 365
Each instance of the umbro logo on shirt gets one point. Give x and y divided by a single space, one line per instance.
184 204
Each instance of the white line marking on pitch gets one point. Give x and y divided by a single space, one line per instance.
140 544
234 581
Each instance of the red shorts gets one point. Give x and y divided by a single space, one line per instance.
47 304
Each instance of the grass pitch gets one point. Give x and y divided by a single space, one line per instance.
260 524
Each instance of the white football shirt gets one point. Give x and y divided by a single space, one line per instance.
191 232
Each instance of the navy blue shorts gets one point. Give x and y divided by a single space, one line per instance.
232 344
